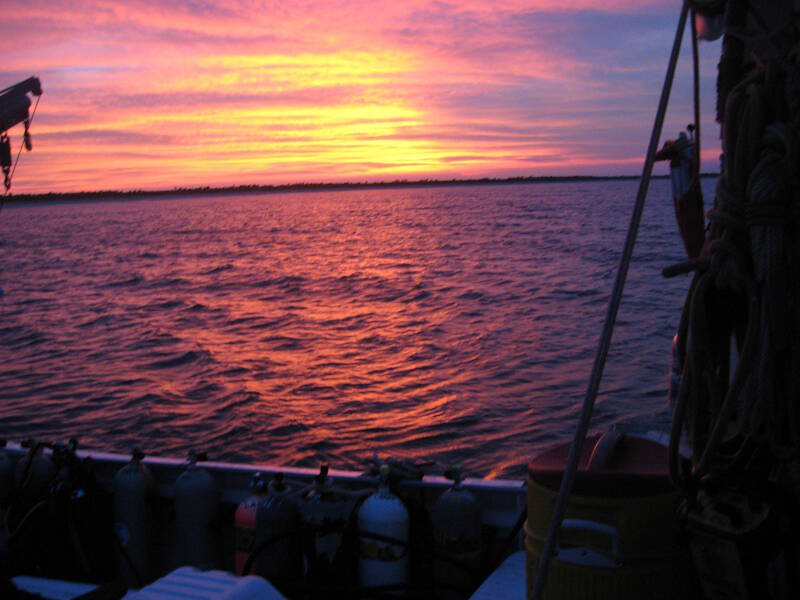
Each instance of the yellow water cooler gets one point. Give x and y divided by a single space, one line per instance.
620 537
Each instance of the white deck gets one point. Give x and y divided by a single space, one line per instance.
507 582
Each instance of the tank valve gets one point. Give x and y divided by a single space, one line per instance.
195 457
454 474
323 474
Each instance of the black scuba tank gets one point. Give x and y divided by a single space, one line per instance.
456 517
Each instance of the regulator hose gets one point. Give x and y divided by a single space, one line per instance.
251 558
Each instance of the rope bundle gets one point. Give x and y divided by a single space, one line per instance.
747 288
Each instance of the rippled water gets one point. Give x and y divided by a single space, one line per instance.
456 324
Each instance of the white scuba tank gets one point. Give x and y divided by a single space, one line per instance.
133 486
380 562
196 508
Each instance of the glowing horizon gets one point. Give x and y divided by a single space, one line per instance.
143 96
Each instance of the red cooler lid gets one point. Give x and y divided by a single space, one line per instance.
611 465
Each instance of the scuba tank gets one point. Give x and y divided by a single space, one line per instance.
267 531
245 521
196 508
381 563
34 473
6 475
325 516
456 518
133 487
25 519
78 526
50 522
6 485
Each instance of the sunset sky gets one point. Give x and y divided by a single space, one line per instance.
158 95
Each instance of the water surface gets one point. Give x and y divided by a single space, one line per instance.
455 324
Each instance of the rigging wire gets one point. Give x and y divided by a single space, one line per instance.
611 315
19 152
696 98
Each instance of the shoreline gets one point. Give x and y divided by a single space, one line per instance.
316 187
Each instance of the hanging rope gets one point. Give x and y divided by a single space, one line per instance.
746 289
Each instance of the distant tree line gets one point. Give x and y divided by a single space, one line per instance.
318 187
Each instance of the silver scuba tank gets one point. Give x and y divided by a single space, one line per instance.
133 487
196 508
456 518
326 516
383 515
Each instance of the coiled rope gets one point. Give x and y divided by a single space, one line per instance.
746 288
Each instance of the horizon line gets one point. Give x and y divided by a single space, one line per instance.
322 186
